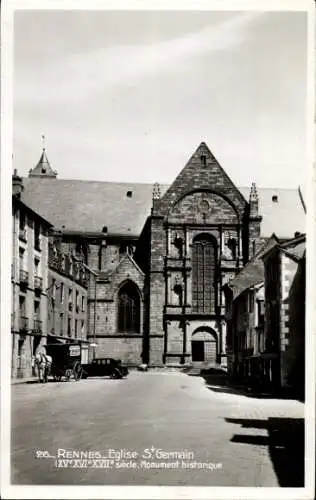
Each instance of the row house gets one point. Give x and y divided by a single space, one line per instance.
29 282
265 311
69 282
52 288
284 275
245 322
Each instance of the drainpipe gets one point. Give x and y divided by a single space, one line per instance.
95 303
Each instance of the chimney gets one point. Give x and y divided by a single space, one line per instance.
17 184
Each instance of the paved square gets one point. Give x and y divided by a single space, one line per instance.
198 435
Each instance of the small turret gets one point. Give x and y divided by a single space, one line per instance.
156 196
43 168
254 201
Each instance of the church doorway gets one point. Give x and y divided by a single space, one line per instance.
204 346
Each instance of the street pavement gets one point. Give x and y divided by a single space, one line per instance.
205 435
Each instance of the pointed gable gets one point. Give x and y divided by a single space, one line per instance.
202 173
126 270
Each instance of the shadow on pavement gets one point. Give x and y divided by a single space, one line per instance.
285 441
217 380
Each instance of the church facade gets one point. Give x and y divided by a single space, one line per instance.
161 254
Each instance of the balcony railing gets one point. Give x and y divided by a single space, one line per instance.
24 277
23 323
38 283
37 327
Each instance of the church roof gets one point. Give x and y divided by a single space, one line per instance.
80 205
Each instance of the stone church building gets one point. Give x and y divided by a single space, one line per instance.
162 254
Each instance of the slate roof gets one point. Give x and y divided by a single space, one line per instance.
89 205
294 248
283 217
253 272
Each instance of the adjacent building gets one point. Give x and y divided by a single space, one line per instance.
51 289
245 313
284 268
265 312
29 282
69 280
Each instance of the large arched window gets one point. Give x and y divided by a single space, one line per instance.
203 274
129 309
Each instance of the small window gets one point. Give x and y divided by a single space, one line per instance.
203 160
22 220
37 233
53 288
36 267
275 198
69 327
61 293
129 194
105 229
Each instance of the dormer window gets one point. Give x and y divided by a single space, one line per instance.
275 198
43 170
129 194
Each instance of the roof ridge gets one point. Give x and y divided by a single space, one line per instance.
140 183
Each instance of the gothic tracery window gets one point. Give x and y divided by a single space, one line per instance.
129 309
203 274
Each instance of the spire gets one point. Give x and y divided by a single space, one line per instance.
156 191
155 197
253 193
254 201
43 168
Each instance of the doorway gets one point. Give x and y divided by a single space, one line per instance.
204 346
197 350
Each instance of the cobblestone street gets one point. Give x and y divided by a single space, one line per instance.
258 442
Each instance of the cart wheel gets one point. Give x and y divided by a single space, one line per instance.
77 371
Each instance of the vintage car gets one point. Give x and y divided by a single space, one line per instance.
105 367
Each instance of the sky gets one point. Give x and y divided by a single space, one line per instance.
129 95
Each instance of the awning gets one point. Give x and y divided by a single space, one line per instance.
51 339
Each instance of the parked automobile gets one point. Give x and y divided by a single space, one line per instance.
105 367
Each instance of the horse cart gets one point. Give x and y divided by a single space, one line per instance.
66 361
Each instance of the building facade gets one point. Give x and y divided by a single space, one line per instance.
161 254
69 283
245 314
284 266
29 282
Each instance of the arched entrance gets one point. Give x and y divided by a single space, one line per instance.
204 346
